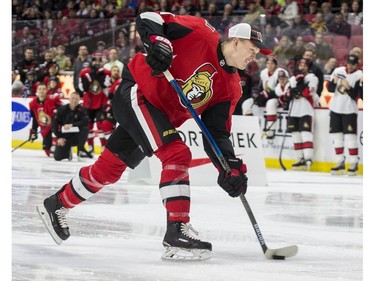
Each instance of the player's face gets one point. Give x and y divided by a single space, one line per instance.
42 92
271 66
246 52
283 80
351 67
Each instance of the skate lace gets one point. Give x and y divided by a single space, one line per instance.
186 228
61 217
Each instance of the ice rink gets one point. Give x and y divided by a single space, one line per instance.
117 234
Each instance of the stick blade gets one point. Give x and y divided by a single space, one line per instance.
285 252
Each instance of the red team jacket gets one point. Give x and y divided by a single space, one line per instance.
43 112
212 87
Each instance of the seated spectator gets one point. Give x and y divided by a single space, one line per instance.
284 51
70 125
355 15
82 11
310 15
113 60
27 63
63 61
44 67
323 51
53 70
298 50
330 66
288 12
318 24
327 12
269 36
226 19
340 26
30 85
344 9
253 13
54 88
298 27
17 85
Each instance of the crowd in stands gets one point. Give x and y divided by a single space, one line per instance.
48 34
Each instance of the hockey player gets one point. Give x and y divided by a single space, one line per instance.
42 110
303 98
93 81
345 83
70 126
265 97
148 111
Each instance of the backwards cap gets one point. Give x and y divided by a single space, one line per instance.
244 31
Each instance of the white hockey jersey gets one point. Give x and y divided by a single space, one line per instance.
305 106
343 103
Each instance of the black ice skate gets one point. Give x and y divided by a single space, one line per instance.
339 169
82 153
53 215
182 243
300 165
353 169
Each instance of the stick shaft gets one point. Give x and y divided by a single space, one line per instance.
218 154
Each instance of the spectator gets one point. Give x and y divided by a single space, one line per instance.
323 51
303 98
309 55
269 36
213 15
330 66
226 19
54 88
17 85
298 27
63 61
42 109
356 15
70 125
53 70
340 26
30 85
288 12
83 60
28 63
113 60
45 66
100 49
253 13
327 12
344 9
298 50
284 51
318 24
83 11
272 10
344 83
313 9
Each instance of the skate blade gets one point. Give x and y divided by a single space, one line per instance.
300 168
352 174
47 223
181 254
338 172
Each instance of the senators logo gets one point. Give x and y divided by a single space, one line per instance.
198 88
44 119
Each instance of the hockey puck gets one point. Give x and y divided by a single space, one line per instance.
276 257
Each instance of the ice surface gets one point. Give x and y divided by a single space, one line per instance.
116 235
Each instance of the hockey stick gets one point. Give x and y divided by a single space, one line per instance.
284 137
20 145
280 253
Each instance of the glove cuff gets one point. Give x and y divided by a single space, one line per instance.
161 39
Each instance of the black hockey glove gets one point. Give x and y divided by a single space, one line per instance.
159 54
33 135
295 93
234 183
